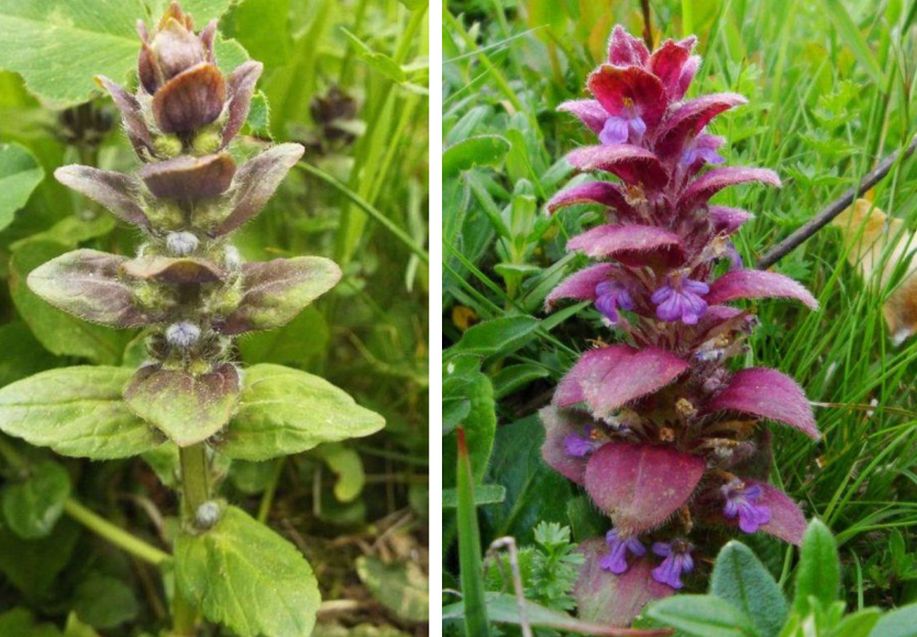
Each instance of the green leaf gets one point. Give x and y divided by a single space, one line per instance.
480 421
104 601
296 342
285 411
741 579
504 608
898 623
22 354
481 150
76 628
515 377
347 466
251 477
248 578
19 622
851 35
59 332
76 411
401 587
702 616
483 494
858 624
259 117
20 173
819 572
500 336
59 47
469 539
32 507
34 565
263 28
379 62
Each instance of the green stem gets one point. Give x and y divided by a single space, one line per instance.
194 479
267 500
114 534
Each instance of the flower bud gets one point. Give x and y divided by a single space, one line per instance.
181 244
206 142
167 146
183 334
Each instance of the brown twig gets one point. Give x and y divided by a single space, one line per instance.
835 208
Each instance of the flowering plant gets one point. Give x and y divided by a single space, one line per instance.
189 288
664 437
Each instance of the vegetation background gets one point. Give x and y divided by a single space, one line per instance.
349 80
831 89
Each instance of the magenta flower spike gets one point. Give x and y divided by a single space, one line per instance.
661 432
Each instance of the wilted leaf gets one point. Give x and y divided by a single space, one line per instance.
77 411
32 507
284 411
20 173
401 587
245 576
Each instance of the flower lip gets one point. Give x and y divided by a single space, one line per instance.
681 301
580 446
742 501
615 561
677 562
611 295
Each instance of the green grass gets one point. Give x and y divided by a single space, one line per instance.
831 91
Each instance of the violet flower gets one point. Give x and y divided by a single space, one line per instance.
744 502
615 561
580 446
682 301
655 254
609 296
677 562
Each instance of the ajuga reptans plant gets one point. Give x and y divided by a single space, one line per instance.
665 438
190 290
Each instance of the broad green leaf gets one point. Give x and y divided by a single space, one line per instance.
858 624
285 411
480 421
702 616
19 622
32 507
20 173
22 354
104 601
741 579
76 411
59 332
898 623
819 572
263 28
59 47
76 628
347 466
401 587
297 341
500 336
246 577
34 565
482 150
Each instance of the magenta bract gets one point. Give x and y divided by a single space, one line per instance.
661 431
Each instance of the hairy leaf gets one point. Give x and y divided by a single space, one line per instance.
284 411
76 411
248 578
741 579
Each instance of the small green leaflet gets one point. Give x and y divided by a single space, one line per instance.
20 174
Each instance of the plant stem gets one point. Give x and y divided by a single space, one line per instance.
114 534
194 479
267 500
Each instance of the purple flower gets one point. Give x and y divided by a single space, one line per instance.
677 561
616 559
609 296
681 302
735 259
618 129
580 446
702 147
742 501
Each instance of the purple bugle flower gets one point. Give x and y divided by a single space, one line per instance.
682 301
677 562
743 502
615 561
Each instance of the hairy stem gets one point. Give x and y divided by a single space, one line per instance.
194 478
114 534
